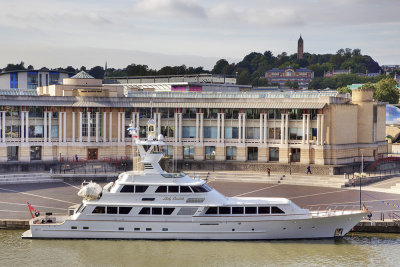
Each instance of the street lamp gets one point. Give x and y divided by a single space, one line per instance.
361 173
290 163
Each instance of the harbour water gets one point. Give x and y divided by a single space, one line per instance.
353 250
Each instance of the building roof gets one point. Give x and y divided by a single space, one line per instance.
82 75
281 100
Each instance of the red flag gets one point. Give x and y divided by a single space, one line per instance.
37 213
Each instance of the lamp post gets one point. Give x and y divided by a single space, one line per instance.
290 163
362 169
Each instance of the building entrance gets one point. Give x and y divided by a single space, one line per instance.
92 153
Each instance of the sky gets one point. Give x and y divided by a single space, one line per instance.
61 33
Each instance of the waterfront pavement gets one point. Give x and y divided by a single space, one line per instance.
58 196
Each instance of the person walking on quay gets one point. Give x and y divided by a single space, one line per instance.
268 171
308 169
76 157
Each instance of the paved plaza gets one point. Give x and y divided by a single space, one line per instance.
57 197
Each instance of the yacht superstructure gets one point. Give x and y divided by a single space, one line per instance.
154 204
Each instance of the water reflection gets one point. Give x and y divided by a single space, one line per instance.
382 250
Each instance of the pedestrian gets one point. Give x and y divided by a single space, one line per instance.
268 171
308 169
76 157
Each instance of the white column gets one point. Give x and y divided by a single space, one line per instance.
27 127
65 126
73 127
45 127
304 129
201 127
176 128
261 127
119 128
3 128
318 129
222 127
97 127
159 124
138 121
197 127
218 127
50 118
287 129
110 128
104 127
22 126
180 127
282 128
123 127
322 129
60 126
88 127
80 127
244 128
265 127
308 128
240 127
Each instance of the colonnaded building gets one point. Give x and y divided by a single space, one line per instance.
87 118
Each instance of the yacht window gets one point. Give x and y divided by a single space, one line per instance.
145 211
99 209
264 210
187 211
168 211
128 189
185 189
161 189
224 210
156 211
112 210
198 189
250 210
141 188
124 210
212 210
237 210
207 187
277 210
148 199
81 208
173 189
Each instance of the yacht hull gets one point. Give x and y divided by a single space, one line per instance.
316 227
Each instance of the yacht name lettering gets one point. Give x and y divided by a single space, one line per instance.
173 198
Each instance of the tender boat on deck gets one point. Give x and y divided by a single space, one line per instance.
154 204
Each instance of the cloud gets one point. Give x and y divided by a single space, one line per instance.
169 8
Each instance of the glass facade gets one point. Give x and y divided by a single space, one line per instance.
32 79
210 152
231 152
392 115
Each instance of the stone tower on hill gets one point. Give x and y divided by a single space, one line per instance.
300 47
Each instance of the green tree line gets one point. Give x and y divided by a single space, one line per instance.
251 69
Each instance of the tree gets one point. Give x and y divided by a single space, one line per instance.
288 84
344 89
386 91
244 77
295 85
97 72
12 67
220 67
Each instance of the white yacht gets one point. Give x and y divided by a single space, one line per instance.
154 204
